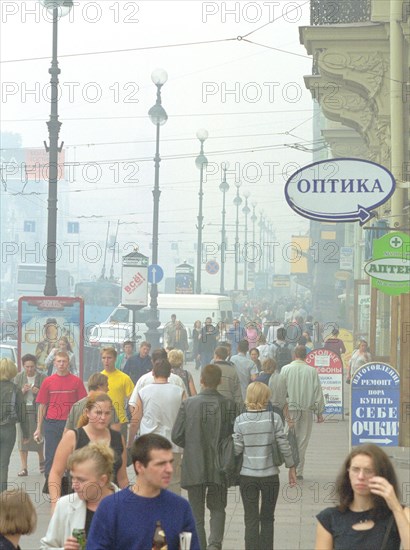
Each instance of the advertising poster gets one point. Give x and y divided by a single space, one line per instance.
375 405
50 323
329 367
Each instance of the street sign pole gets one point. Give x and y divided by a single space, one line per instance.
134 285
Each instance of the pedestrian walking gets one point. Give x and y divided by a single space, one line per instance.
57 395
91 469
29 380
17 517
202 422
93 426
155 411
254 433
305 398
12 410
246 369
129 518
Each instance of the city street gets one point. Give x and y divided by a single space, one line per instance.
295 522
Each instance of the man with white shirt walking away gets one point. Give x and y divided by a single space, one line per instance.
246 368
305 398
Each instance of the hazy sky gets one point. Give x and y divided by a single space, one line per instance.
250 96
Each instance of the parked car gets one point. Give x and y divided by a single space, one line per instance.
8 350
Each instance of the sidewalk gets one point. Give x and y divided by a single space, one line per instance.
295 522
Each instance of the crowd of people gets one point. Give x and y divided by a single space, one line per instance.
143 409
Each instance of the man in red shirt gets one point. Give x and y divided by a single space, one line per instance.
57 395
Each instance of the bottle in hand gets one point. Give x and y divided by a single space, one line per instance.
159 542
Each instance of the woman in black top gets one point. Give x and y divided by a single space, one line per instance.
93 426
369 515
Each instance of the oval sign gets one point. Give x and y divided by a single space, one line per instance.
339 190
389 269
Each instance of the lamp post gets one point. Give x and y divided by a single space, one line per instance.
158 116
253 220
201 161
58 8
246 210
224 187
237 202
261 261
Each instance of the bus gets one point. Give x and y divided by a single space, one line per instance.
100 297
31 280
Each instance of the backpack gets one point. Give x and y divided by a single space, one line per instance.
283 355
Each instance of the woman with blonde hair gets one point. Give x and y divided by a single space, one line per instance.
12 410
254 433
176 359
91 469
17 517
93 426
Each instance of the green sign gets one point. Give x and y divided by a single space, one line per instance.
390 266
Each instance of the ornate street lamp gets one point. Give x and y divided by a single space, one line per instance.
261 227
58 8
224 187
201 161
246 210
158 116
237 202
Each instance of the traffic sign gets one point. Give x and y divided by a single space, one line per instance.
155 274
212 267
389 268
339 190
375 405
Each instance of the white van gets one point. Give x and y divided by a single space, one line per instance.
187 307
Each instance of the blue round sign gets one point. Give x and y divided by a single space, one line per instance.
155 274
212 267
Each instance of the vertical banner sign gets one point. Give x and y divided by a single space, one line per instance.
43 321
184 279
375 405
329 367
134 280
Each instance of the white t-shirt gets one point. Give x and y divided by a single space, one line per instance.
161 403
30 395
148 378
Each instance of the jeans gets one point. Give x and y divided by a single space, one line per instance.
216 499
259 521
7 441
53 432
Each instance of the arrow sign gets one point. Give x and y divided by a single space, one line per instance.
384 441
339 190
155 274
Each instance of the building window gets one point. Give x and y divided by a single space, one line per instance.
29 226
73 227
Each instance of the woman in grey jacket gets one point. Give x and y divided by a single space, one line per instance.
254 433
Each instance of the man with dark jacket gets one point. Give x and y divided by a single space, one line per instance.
203 421
230 385
138 365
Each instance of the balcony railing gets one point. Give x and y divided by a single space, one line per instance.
332 12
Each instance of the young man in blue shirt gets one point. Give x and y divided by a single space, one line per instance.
127 520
